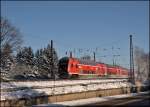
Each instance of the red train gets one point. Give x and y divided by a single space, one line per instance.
74 67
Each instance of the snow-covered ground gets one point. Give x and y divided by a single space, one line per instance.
6 85
56 87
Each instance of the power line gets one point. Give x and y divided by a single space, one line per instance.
98 48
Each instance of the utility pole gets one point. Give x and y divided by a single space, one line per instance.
132 76
94 56
113 56
52 71
113 60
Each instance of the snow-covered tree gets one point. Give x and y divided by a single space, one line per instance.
6 57
25 56
47 62
25 62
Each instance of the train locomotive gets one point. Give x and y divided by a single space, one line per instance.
70 67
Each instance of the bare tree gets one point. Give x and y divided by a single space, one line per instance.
11 40
9 35
142 64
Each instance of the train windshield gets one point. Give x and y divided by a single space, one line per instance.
63 67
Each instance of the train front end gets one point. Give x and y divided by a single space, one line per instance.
63 67
68 68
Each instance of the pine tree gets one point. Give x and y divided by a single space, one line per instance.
30 57
6 58
25 56
54 63
40 64
25 62
19 57
37 54
44 62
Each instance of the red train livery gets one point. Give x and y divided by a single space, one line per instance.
74 67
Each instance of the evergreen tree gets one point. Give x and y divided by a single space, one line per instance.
25 62
19 57
37 54
4 57
53 68
44 62
7 59
30 57
25 56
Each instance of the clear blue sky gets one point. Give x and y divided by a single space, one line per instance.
82 24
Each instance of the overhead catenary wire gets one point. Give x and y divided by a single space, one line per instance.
101 50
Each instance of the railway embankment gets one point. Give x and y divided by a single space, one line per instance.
40 92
